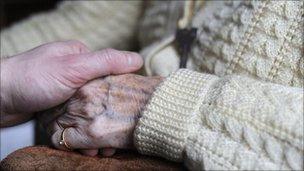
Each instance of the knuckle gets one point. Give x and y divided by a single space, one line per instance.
85 105
49 47
93 133
77 106
107 55
106 58
77 46
114 57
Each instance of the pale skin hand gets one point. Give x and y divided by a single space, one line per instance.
101 114
50 74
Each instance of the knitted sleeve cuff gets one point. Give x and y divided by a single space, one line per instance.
168 118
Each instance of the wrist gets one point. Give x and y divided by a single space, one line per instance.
149 89
10 86
5 87
152 85
9 116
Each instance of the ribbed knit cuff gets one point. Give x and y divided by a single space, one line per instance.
171 113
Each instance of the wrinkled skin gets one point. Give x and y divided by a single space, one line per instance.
101 114
50 74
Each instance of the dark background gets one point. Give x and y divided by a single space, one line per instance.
16 10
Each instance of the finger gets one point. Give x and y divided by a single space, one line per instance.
107 152
85 137
90 152
105 62
74 138
71 139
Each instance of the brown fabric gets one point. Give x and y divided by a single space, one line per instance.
45 158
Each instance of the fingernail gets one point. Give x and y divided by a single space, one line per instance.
134 59
130 60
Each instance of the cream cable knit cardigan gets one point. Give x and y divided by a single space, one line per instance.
225 119
218 123
262 39
209 121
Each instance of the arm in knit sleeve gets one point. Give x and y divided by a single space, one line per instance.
216 123
98 24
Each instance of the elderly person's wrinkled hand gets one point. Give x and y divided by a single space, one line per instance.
101 114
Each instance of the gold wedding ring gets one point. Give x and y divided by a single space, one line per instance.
63 140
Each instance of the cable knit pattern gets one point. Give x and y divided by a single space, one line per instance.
259 39
98 24
255 38
231 122
161 19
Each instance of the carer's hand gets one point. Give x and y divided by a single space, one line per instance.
48 75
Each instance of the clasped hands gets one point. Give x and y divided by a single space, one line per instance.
72 86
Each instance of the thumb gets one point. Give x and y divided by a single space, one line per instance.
85 67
